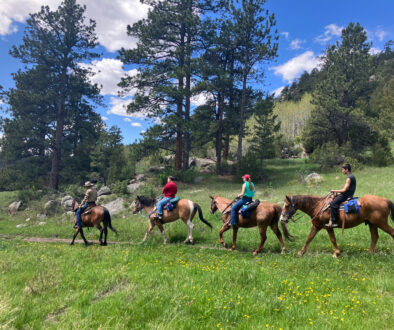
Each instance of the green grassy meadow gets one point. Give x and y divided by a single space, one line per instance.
154 286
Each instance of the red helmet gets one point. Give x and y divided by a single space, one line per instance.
246 176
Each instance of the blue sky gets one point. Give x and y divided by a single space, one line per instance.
306 27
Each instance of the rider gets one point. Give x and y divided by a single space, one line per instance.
247 194
169 191
89 199
344 194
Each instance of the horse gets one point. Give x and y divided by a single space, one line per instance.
266 214
374 211
185 209
93 217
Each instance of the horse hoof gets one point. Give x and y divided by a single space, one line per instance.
255 253
72 243
186 241
283 252
232 248
300 254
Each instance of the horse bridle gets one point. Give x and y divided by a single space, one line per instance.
288 214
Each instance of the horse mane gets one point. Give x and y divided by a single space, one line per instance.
146 200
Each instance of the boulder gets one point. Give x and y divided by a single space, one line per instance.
134 186
66 203
115 206
41 216
28 219
314 178
104 190
50 207
140 177
200 163
21 225
14 207
42 223
132 181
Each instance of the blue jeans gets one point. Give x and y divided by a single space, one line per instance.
235 208
161 203
79 212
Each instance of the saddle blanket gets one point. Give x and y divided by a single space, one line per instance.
171 204
247 208
351 206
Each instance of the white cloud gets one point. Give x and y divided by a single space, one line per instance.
380 34
277 91
296 66
128 120
296 43
104 118
136 124
112 17
374 51
286 34
143 132
107 73
199 99
331 31
119 107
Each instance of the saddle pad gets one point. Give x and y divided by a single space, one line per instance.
351 206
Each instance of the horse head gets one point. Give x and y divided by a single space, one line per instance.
214 206
288 209
137 205
74 204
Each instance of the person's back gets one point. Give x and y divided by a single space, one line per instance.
169 191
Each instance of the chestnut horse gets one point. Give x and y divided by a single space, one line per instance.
374 210
266 214
93 217
184 209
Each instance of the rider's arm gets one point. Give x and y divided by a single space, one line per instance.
85 199
346 187
243 191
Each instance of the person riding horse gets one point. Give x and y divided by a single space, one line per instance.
89 200
246 196
344 194
169 191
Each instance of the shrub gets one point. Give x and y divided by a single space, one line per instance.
182 175
120 187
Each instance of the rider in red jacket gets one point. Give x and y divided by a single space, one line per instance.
169 191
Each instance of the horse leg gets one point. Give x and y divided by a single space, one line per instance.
75 235
263 237
235 232
312 234
388 229
374 237
83 237
190 226
278 234
331 233
105 235
149 230
161 227
101 233
222 230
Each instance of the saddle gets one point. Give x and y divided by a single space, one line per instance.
247 208
89 209
172 204
351 205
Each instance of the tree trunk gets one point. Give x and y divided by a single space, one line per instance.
186 150
179 110
226 146
219 134
57 152
242 119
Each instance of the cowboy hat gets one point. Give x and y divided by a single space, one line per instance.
88 184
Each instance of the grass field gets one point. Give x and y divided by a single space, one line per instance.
151 285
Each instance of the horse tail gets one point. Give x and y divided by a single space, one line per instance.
196 206
107 219
286 233
391 208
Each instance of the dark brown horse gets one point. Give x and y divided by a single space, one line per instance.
374 210
92 217
266 214
184 209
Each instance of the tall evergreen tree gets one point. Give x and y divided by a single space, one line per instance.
166 45
59 40
256 43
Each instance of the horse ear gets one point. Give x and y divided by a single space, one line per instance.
138 197
288 197
211 197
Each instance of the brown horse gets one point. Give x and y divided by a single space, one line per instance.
266 214
374 210
93 217
184 209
